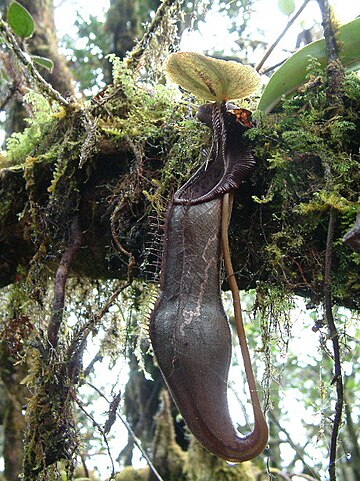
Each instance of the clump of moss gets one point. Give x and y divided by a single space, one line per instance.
154 115
20 145
313 162
204 466
132 474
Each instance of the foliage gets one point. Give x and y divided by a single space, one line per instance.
23 25
86 54
286 7
21 145
20 20
292 74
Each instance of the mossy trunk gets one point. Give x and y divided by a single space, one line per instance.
14 403
124 23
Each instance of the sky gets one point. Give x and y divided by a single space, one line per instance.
213 34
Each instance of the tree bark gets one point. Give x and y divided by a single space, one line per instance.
13 419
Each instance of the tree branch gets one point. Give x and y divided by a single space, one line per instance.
334 336
332 48
60 281
137 442
26 61
335 69
100 430
352 238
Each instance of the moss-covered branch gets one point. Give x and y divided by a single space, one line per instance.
31 70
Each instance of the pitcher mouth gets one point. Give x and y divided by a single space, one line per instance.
229 161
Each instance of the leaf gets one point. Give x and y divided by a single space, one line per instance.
212 79
286 7
293 72
44 62
20 20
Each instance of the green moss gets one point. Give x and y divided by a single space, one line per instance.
203 466
132 474
150 115
314 167
22 144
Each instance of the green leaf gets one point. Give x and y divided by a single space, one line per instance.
286 7
20 20
44 62
293 72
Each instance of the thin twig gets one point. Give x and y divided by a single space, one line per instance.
60 281
8 97
336 76
295 447
101 431
334 336
112 413
273 473
272 47
137 441
98 357
25 59
304 476
273 67
129 255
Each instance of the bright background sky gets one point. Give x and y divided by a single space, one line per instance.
213 32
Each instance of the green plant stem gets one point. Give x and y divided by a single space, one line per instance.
26 61
273 46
